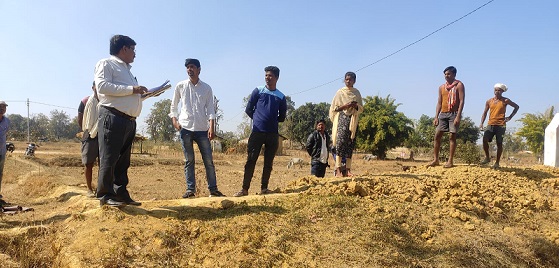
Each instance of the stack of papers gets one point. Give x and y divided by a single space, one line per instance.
156 91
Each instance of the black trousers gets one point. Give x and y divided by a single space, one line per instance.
318 169
116 134
255 142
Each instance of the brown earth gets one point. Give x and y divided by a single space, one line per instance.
393 213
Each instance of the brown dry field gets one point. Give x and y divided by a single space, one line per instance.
392 214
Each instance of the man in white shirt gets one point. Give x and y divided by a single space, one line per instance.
195 122
88 120
120 103
318 146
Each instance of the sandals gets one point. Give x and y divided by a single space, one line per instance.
265 191
242 192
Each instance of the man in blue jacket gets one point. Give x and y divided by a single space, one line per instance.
266 107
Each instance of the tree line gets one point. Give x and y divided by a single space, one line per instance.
381 127
58 126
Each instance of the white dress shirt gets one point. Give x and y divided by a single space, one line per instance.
115 84
197 105
91 116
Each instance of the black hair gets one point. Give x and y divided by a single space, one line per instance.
118 42
352 75
451 69
196 62
275 70
320 121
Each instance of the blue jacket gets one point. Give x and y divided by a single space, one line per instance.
266 108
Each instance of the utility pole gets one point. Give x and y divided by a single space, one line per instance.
28 138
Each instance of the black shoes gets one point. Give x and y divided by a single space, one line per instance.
188 194
111 202
216 193
132 202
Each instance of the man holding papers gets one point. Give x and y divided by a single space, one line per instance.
196 122
120 103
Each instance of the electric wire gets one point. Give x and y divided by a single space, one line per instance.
401 49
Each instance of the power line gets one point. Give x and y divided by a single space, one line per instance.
46 104
401 49
52 105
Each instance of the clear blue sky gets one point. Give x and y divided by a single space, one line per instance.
49 49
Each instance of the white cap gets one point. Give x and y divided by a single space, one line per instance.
501 86
3 103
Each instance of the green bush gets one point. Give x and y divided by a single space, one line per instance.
468 152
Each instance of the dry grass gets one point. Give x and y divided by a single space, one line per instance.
467 216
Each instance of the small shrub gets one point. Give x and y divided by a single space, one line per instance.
468 152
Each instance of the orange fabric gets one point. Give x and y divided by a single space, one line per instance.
445 101
497 110
452 93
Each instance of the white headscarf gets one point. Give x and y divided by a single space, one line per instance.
501 86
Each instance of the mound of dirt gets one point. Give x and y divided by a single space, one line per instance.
475 191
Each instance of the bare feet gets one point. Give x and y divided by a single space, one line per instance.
433 164
448 165
339 173
349 174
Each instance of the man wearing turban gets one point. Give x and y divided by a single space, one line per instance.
496 126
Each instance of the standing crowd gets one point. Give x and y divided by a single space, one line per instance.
107 118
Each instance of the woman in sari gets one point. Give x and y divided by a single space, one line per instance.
344 113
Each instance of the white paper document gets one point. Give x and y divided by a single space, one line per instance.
156 91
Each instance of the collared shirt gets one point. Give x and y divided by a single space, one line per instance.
197 105
323 150
91 116
4 126
115 84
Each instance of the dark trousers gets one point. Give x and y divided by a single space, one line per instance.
318 169
255 142
115 135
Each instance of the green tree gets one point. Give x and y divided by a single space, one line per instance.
381 127
302 120
159 125
245 127
513 143
73 128
228 139
58 125
39 126
218 114
18 127
424 133
533 129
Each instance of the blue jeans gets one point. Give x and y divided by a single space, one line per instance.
201 138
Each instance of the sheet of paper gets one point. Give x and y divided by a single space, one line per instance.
156 91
